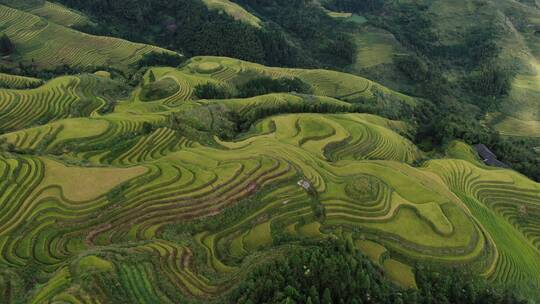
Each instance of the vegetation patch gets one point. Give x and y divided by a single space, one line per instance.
159 89
208 67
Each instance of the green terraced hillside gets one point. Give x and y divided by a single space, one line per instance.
42 37
234 10
172 179
229 73
157 199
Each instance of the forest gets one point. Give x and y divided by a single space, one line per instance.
336 272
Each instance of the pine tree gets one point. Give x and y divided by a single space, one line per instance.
327 297
289 301
6 46
364 281
151 77
350 245
314 295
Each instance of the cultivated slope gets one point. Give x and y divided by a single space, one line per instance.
149 204
47 44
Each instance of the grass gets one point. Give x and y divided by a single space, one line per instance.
103 74
460 150
411 228
521 103
346 16
258 237
93 263
311 230
373 250
375 47
511 126
96 181
399 273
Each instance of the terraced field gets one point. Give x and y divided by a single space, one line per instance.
228 73
48 44
506 204
376 46
149 203
59 14
18 82
59 98
520 110
234 10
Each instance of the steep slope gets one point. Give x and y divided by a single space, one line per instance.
229 72
59 14
172 186
234 10
172 212
46 44
519 111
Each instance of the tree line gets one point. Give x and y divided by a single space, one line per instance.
336 272
254 87
296 33
6 46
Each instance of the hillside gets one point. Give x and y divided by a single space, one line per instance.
174 191
131 174
42 41
450 29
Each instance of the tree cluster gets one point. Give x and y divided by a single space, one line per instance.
32 70
297 33
354 6
161 59
6 46
335 272
267 85
254 87
211 91
441 122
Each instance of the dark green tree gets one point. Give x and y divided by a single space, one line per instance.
6 46
314 295
151 77
211 91
327 297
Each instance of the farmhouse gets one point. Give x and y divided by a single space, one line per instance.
304 184
488 157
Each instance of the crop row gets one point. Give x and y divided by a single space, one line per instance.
56 100
18 82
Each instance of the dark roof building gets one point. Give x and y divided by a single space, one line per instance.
488 157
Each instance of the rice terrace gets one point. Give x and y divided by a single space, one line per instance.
238 151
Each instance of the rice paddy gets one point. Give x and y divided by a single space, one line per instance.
150 204
59 14
234 10
18 82
48 44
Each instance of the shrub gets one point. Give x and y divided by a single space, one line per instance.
6 46
161 59
355 6
266 85
335 272
159 89
211 91
490 80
